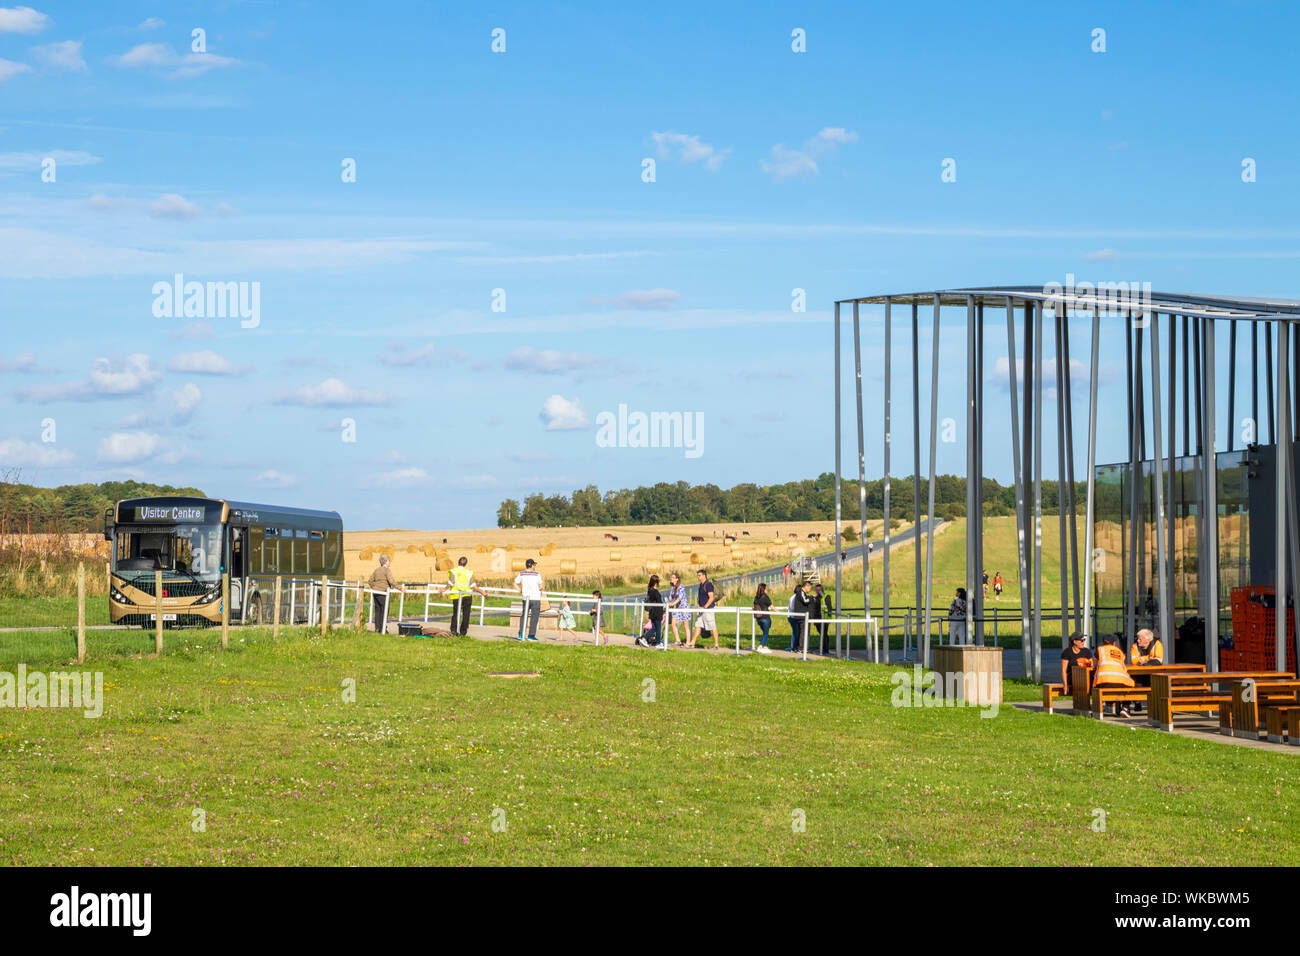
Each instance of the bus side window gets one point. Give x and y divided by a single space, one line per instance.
256 534
316 551
333 540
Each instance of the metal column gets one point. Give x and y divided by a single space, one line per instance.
862 485
1091 504
934 424
916 453
1022 517
1036 660
1210 541
884 558
1058 312
1281 475
972 516
1166 614
838 470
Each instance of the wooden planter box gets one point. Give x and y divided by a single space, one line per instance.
972 674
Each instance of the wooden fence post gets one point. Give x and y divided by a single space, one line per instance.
158 612
81 614
324 605
275 626
360 606
225 610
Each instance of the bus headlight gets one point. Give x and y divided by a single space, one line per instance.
118 596
212 595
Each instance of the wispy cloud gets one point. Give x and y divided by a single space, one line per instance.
22 20
689 149
550 361
330 393
32 160
205 362
639 299
275 479
784 163
11 68
109 378
401 355
17 453
160 56
174 206
65 56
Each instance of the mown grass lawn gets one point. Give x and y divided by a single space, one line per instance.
581 769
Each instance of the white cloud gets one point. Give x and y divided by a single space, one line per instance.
1101 255
152 23
174 206
640 299
122 447
101 203
206 362
61 56
22 20
549 361
400 355
193 330
24 361
10 68
33 160
331 392
15 453
784 163
109 378
275 479
564 414
161 56
689 149
401 478
184 400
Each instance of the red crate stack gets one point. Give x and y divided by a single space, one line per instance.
1254 630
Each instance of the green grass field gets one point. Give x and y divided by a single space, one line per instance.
581 768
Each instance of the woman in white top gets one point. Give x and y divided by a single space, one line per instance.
529 583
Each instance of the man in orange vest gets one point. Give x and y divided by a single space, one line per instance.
1111 671
1146 649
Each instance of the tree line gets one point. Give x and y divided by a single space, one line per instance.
68 509
808 500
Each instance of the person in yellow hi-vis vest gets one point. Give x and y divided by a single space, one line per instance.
460 582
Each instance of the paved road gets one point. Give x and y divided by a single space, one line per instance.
854 552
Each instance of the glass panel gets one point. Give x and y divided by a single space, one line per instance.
256 534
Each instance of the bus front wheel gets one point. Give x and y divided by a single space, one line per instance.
255 610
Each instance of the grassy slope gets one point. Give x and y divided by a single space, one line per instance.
586 771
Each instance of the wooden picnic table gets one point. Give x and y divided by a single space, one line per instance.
1171 693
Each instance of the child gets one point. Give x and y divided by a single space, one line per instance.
567 623
598 620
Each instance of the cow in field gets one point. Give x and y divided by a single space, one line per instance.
745 533
608 535
656 537
613 537
697 537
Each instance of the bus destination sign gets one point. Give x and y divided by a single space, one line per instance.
174 513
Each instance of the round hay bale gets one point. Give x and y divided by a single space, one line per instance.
737 555
444 564
568 567
510 547
412 549
697 558
667 556
366 554
686 549
616 556
652 566
480 549
516 564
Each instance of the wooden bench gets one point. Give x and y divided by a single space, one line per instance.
1243 717
1172 693
1101 696
1293 727
1050 693
1277 722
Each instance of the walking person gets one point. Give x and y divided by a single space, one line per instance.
957 618
597 619
706 595
799 607
380 584
763 602
528 583
567 624
823 606
460 582
677 605
997 585
652 634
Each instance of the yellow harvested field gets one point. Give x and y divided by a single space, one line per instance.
492 552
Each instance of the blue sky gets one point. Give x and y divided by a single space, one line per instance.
522 171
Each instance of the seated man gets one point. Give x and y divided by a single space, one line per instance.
1077 654
1111 671
1146 649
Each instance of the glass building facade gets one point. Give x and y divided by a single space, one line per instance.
1117 535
